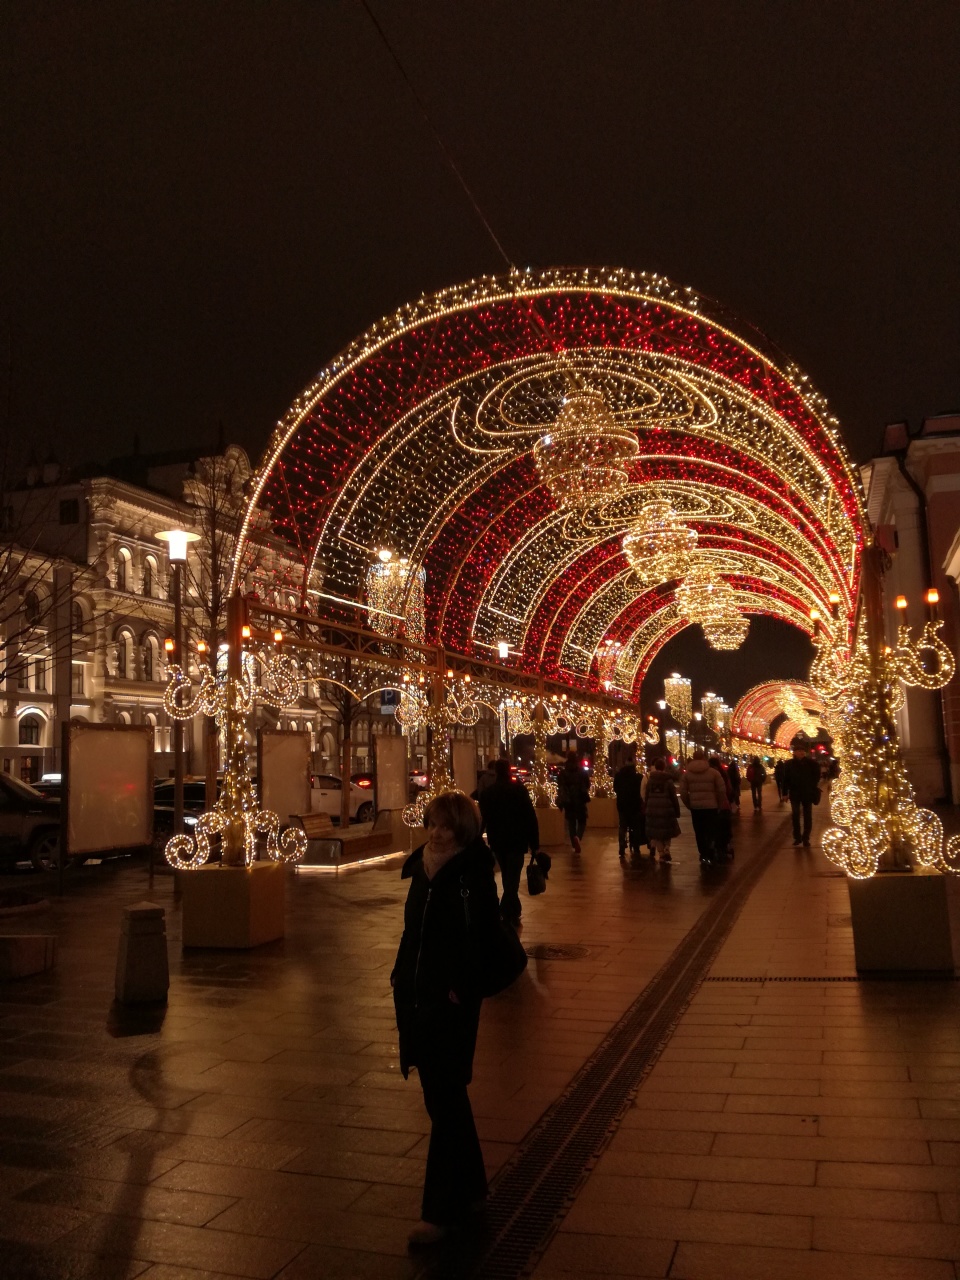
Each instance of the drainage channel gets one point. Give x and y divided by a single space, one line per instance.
539 1183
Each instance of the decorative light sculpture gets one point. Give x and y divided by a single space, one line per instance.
679 698
727 629
583 459
710 705
659 545
702 595
395 594
608 656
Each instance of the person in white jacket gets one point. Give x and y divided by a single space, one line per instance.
702 790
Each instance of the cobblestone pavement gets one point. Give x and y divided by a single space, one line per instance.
259 1126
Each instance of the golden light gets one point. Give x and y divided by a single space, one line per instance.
177 541
900 602
583 459
659 545
932 597
245 631
278 637
169 645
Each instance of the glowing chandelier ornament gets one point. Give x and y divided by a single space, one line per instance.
659 545
395 594
583 460
710 705
726 629
702 595
679 698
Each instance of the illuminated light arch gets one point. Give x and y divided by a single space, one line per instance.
761 705
420 436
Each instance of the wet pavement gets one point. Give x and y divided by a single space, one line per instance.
789 1121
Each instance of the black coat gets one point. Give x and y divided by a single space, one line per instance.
801 778
627 788
437 955
509 818
573 789
663 807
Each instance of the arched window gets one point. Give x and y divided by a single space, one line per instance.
125 668
123 717
77 618
29 731
293 726
31 608
151 658
149 576
123 569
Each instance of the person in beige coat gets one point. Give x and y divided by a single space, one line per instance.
703 791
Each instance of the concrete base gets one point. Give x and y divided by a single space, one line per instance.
602 812
901 922
143 976
553 827
233 906
27 953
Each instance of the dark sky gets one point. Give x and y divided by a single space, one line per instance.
202 202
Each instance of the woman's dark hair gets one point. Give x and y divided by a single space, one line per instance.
455 810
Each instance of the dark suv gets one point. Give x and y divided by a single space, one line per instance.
29 825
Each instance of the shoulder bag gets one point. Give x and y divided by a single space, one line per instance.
500 958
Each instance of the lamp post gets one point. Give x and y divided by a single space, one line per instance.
177 541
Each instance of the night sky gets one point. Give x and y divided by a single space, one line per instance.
202 203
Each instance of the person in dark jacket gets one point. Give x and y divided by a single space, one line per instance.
510 822
723 843
437 998
662 810
778 772
735 783
756 776
627 787
573 796
801 781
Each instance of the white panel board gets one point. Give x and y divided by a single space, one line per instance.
465 766
109 787
392 771
283 758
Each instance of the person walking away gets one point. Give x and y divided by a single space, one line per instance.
662 810
756 776
702 790
724 837
778 770
510 822
802 783
437 1000
735 783
573 796
627 787
486 778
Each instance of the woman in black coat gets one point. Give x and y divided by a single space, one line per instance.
451 911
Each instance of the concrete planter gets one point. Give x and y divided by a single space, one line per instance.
553 827
238 907
901 922
602 812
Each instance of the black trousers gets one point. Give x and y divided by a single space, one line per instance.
510 862
634 828
576 820
756 790
455 1177
705 831
795 808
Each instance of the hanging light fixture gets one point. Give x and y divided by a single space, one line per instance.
679 698
583 459
395 594
659 545
727 628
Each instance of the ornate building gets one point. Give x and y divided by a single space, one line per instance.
85 584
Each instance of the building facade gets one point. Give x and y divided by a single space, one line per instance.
913 500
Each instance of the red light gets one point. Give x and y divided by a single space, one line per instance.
364 782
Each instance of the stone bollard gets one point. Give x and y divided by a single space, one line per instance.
142 972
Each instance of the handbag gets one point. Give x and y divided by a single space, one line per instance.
536 874
500 958
816 796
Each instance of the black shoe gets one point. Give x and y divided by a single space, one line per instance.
806 844
796 844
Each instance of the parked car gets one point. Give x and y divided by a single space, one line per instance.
325 793
194 803
364 780
420 779
50 785
29 825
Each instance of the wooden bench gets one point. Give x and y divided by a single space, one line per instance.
328 845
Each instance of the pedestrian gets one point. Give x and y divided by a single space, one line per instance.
756 776
724 837
627 787
702 790
778 769
573 796
735 784
510 822
486 778
801 779
662 810
436 994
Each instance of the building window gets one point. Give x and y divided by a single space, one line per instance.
123 569
40 675
23 675
151 659
69 511
76 614
31 608
125 656
76 679
29 768
149 576
29 731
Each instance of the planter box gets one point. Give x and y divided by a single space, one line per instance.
233 906
602 812
553 827
901 922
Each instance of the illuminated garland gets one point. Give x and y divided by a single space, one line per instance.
679 698
659 545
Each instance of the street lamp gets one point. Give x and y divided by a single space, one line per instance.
177 541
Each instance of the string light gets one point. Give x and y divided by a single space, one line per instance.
678 695
583 458
659 545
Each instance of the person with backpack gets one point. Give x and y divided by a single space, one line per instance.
702 790
662 810
573 796
510 822
756 776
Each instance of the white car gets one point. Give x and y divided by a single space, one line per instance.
325 797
